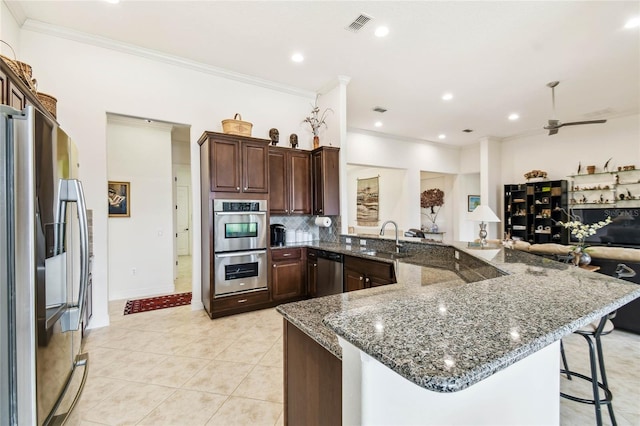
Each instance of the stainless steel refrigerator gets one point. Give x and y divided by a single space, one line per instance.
44 270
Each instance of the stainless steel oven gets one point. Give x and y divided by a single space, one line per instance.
239 225
240 246
240 271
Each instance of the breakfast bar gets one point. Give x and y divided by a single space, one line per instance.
466 336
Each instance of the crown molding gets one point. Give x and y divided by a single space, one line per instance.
17 11
154 55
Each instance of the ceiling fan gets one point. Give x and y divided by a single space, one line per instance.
554 125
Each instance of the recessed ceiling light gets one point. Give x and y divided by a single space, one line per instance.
513 116
297 57
382 31
447 96
113 1
378 124
442 136
633 22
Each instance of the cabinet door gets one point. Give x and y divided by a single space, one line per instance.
255 167
224 160
278 194
312 277
4 88
300 182
353 280
16 98
287 279
326 181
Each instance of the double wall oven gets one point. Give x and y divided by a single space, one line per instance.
240 246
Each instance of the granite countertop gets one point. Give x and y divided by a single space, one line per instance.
449 323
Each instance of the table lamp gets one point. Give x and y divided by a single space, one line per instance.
482 214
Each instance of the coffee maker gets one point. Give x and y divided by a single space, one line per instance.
278 234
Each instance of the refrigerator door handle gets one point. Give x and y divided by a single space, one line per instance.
70 191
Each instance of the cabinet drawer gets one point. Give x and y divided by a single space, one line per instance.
371 268
286 254
240 301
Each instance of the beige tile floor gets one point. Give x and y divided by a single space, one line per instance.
178 367
183 282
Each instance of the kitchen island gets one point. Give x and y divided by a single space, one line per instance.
459 322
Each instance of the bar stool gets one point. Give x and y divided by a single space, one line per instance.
592 333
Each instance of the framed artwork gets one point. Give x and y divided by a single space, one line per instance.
119 199
473 202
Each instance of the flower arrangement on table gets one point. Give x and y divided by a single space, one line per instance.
430 199
581 231
316 121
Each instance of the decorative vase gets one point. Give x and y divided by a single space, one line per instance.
591 169
434 227
585 259
316 142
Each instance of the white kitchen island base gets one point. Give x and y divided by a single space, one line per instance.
525 393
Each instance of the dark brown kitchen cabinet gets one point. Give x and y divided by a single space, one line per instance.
4 87
287 274
326 181
289 181
15 93
236 163
363 273
312 273
312 381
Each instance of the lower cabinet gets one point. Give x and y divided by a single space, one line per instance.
312 381
236 304
287 274
363 273
312 272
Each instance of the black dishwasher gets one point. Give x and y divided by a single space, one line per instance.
329 273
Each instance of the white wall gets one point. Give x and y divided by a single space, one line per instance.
10 33
385 152
393 197
141 246
560 154
90 81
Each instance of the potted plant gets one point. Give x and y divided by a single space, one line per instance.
581 231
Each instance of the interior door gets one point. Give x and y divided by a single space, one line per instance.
183 215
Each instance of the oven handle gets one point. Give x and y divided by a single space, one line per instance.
238 213
241 253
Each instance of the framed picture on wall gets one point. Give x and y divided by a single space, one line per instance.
119 199
473 202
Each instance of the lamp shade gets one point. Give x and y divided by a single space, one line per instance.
483 213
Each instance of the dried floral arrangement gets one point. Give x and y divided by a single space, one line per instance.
430 199
316 120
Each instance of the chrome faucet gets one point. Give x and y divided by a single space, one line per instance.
398 245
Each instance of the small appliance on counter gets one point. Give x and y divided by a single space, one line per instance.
278 235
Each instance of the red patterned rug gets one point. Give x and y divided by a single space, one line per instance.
160 302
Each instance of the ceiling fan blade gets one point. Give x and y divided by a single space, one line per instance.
553 131
553 124
576 123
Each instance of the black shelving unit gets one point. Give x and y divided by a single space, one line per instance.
532 211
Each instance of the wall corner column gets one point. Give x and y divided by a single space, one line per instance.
490 183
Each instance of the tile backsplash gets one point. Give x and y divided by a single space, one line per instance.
307 224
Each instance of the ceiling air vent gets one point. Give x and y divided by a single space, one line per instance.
467 130
358 23
380 109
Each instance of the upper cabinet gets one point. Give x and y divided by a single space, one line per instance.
289 181
236 164
15 93
326 181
